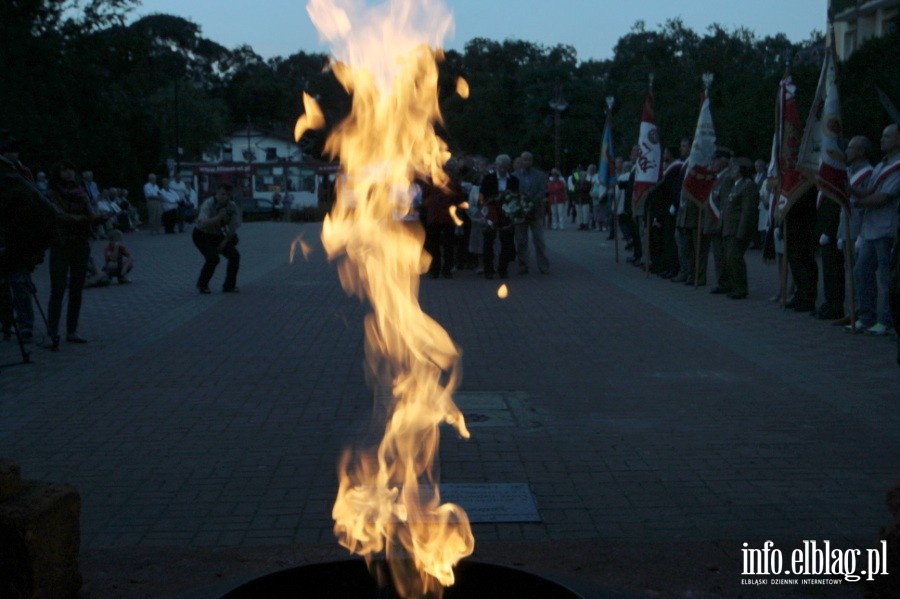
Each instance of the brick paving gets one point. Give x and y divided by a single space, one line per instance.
658 427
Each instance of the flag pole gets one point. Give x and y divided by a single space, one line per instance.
849 259
707 82
646 234
784 263
610 102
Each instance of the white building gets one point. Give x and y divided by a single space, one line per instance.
260 164
856 21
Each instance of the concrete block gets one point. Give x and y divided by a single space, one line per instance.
10 479
39 542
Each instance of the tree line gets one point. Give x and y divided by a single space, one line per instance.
82 83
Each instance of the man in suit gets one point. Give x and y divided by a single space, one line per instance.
493 186
800 226
828 218
533 184
739 218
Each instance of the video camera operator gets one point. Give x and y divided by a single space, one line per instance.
27 227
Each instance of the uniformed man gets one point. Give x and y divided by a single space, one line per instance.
739 218
711 226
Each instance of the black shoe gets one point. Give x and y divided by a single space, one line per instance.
203 290
447 275
831 315
489 275
735 295
230 290
719 290
504 275
804 307
75 338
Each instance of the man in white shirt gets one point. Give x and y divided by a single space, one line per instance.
185 208
169 206
879 199
154 204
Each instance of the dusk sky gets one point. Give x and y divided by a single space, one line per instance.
282 27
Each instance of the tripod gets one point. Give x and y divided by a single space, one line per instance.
14 286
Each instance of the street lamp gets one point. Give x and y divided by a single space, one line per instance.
558 104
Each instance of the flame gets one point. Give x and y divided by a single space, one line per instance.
388 501
305 249
462 88
503 291
311 118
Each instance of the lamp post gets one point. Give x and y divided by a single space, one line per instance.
558 104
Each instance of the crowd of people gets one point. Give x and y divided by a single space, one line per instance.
492 211
744 194
477 223
65 213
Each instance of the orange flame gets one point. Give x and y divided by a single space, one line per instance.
305 249
312 117
462 88
503 291
388 500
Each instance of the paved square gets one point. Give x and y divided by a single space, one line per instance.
657 427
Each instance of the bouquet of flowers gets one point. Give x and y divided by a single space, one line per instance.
518 207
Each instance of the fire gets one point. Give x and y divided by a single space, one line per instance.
503 291
388 503
462 88
305 249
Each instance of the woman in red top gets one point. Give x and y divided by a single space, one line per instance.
556 197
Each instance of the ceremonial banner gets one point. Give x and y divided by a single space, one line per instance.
700 177
832 176
810 153
793 182
648 169
607 172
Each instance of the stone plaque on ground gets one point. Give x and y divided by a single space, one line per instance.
493 502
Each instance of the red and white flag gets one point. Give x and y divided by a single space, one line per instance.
832 177
648 167
700 176
788 131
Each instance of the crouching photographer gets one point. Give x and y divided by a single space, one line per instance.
215 232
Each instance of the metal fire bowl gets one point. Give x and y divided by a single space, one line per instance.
350 579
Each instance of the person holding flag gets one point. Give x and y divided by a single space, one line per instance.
879 199
686 217
859 169
831 179
606 174
699 178
648 162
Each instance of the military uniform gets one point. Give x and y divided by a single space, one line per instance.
711 235
686 224
739 218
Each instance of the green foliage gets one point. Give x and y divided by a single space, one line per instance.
111 96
